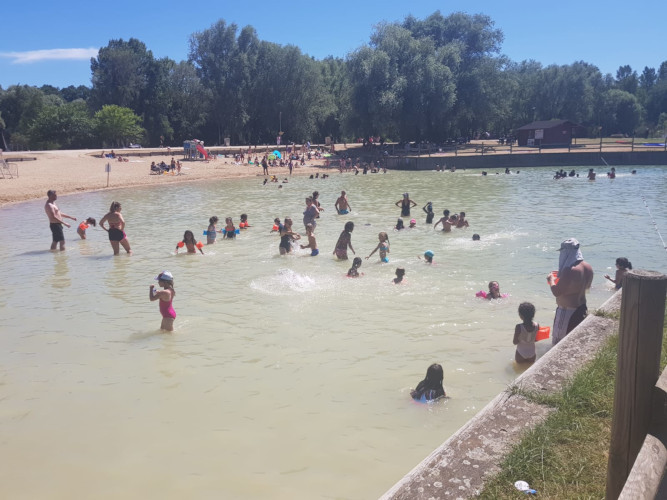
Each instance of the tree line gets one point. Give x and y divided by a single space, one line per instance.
417 80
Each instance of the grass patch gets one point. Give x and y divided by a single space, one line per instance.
566 456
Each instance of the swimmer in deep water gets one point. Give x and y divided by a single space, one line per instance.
354 270
383 247
431 387
166 297
312 243
81 230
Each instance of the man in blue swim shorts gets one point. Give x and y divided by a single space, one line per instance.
312 243
342 205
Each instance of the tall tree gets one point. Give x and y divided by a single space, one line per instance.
117 126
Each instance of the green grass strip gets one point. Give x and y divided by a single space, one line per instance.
566 456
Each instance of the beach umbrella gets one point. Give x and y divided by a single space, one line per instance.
277 154
272 156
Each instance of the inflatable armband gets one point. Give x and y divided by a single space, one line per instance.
481 294
275 228
200 245
180 244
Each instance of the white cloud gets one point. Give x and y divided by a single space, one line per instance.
33 56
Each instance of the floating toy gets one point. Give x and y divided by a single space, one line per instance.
483 295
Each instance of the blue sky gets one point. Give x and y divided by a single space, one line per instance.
52 42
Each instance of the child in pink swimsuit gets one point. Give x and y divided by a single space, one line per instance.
166 297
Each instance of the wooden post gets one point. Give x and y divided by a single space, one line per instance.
638 369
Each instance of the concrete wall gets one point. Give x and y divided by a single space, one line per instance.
525 160
461 465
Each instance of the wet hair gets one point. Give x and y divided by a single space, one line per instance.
277 220
213 220
399 224
492 282
623 263
244 217
400 271
115 206
462 214
383 236
50 192
93 222
349 226
431 386
475 237
527 313
356 262
445 213
188 236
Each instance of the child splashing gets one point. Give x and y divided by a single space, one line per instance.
190 243
383 247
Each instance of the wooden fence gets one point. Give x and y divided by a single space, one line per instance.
638 423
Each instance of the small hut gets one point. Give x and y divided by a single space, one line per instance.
549 133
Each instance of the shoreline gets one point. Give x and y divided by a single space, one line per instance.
80 171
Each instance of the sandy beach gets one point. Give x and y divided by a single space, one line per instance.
83 170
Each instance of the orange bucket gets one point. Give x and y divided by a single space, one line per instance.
543 333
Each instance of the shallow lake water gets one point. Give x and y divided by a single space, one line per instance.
283 378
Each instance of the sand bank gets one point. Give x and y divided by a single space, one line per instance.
84 170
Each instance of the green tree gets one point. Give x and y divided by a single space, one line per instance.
67 125
621 112
189 101
117 126
626 79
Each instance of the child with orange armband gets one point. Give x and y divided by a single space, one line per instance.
527 333
244 222
81 230
190 243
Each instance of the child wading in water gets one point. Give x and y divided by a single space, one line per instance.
431 387
524 334
400 273
383 246
244 222
212 231
622 267
165 296
312 243
190 243
81 230
344 241
229 231
354 270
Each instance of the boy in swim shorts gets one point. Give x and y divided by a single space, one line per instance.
312 243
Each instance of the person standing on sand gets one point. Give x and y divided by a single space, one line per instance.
56 220
574 278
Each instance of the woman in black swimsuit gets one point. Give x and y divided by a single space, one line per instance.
406 204
116 228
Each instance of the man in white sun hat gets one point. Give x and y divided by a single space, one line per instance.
574 278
